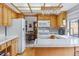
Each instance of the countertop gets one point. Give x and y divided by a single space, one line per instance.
60 41
4 39
65 36
56 43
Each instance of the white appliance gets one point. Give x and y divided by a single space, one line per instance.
43 29
44 23
18 28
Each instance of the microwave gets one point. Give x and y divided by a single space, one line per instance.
44 23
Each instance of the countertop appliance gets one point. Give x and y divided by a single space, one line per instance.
18 28
44 23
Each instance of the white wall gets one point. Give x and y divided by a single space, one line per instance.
30 20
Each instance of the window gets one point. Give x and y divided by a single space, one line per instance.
74 28
64 22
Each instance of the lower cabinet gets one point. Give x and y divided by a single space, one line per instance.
3 46
9 48
76 51
14 47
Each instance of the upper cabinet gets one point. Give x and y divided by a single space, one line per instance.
1 14
44 17
6 15
9 12
62 16
53 21
52 18
14 15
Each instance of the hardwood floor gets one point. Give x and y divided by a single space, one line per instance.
28 52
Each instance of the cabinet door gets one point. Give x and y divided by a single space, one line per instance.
3 46
14 47
9 17
8 43
53 21
0 14
13 15
5 15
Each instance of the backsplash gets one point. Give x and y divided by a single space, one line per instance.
53 31
2 30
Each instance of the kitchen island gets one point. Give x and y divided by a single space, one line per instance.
56 47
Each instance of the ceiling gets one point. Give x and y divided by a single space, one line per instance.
36 8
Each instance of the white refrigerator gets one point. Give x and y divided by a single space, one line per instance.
18 28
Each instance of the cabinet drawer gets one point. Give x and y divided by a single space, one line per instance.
3 46
77 53
14 52
8 43
77 48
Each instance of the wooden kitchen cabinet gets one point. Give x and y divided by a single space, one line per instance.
53 21
52 18
76 48
14 47
9 12
10 47
8 43
54 51
3 46
5 15
62 16
1 14
14 15
76 51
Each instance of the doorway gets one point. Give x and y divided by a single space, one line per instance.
31 30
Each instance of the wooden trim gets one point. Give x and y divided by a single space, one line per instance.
30 15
